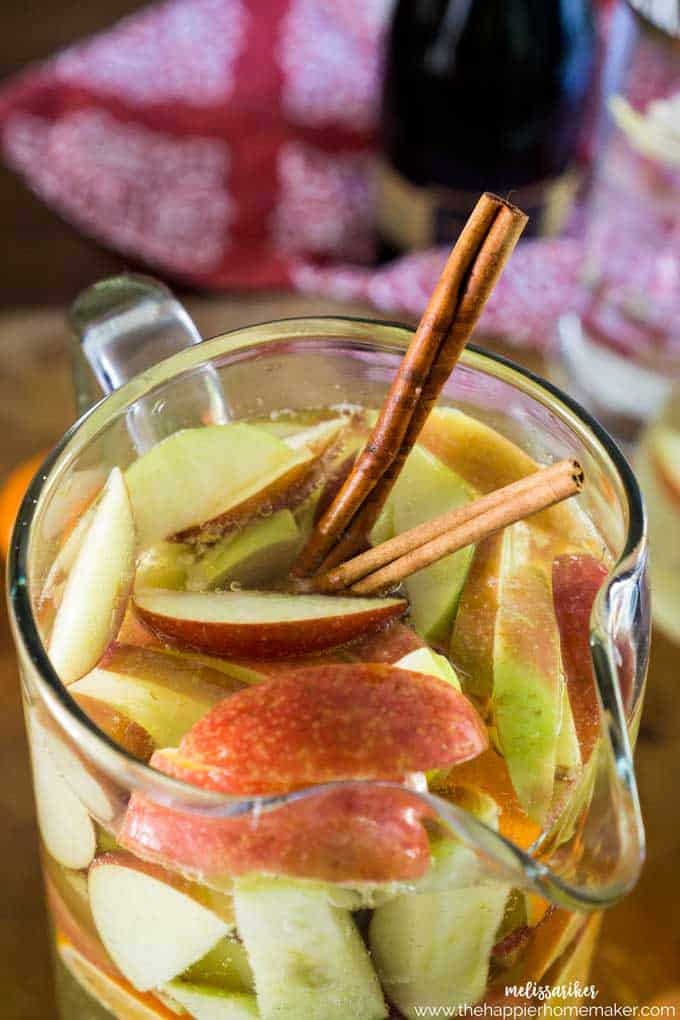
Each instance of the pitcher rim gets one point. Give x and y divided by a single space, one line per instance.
138 775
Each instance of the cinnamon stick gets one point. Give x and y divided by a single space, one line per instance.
384 566
469 276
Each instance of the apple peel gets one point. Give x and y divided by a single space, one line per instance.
261 624
330 723
340 834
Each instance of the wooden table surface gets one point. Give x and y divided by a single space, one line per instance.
640 950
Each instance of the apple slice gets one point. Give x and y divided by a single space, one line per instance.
527 670
329 723
153 923
164 694
112 993
486 460
65 825
96 792
196 475
576 581
261 623
308 957
434 944
98 585
164 565
387 645
262 552
205 1003
199 482
55 582
568 754
425 488
353 834
133 633
424 660
121 728
472 639
226 965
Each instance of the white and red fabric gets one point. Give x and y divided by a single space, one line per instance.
230 143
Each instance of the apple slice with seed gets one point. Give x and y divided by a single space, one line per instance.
153 923
199 482
262 624
98 585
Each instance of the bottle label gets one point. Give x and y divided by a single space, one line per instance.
411 217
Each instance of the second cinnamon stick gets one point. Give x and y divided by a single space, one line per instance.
390 562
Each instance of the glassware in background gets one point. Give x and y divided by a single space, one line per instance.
621 353
657 462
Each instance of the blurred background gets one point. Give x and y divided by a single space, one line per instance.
276 157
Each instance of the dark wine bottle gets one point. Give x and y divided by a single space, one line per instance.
481 95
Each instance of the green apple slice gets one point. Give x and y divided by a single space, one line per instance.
425 660
253 557
200 481
307 955
432 946
225 966
205 1003
527 692
425 488
164 565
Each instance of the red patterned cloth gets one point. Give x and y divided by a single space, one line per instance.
229 144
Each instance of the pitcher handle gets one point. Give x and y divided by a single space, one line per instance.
121 327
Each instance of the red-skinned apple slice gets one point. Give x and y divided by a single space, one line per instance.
353 834
263 624
576 581
153 923
98 586
472 640
329 723
387 645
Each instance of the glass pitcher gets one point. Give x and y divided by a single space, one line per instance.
584 861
